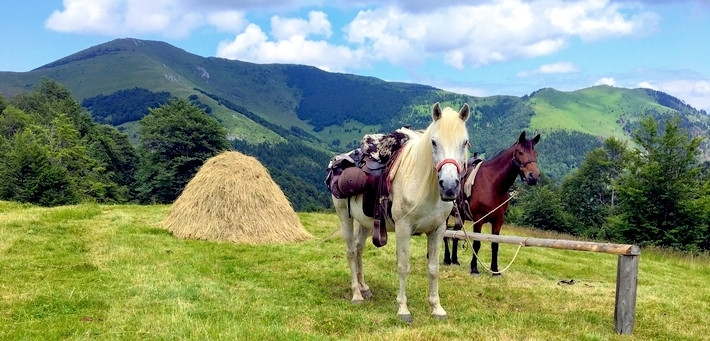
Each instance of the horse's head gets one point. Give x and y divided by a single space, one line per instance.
449 140
525 158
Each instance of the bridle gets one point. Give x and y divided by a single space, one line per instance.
451 161
521 166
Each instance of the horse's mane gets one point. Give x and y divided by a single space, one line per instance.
416 159
503 153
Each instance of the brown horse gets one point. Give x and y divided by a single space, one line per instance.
490 191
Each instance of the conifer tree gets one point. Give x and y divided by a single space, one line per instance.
175 140
588 194
660 197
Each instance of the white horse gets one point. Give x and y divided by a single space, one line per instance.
424 182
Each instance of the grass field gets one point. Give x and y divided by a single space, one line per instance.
110 273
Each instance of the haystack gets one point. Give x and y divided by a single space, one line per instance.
233 198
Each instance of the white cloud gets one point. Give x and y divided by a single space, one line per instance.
228 21
701 88
473 35
646 85
119 17
598 19
380 32
254 45
459 33
555 68
283 29
82 16
606 81
695 92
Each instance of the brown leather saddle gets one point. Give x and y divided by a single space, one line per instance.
461 210
361 172
376 201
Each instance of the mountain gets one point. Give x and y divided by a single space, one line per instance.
270 110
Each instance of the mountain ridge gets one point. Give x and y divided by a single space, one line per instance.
277 103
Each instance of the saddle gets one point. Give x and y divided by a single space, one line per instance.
461 210
365 171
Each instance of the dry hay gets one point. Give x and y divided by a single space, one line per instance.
233 198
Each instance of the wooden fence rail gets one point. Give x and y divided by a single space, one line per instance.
626 270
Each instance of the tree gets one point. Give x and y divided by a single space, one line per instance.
661 198
540 206
62 144
50 99
588 194
175 140
118 159
27 174
12 120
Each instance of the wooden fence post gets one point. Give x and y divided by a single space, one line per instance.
626 281
627 269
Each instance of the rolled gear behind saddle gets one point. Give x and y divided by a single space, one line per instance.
336 167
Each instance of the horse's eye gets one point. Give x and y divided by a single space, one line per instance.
465 144
433 143
520 153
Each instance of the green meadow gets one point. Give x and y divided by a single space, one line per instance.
111 273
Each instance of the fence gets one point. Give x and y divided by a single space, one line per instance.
626 269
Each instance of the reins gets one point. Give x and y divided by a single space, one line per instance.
512 195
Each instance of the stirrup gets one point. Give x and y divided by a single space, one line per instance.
379 236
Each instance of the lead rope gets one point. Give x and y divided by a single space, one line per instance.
522 243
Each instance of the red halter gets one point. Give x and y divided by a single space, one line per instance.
445 161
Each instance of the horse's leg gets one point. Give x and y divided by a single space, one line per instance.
354 258
433 241
360 239
447 254
495 229
403 235
458 225
476 248
455 251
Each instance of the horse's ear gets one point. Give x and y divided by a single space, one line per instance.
536 139
464 112
436 112
521 139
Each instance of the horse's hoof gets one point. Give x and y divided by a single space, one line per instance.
457 262
357 301
440 317
406 318
447 262
475 274
497 274
366 294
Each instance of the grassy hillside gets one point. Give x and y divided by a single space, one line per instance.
598 111
266 104
604 111
109 272
128 63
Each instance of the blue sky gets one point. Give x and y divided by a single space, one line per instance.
481 48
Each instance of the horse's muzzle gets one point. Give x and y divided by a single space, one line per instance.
449 190
531 179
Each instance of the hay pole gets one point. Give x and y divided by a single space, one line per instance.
626 270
